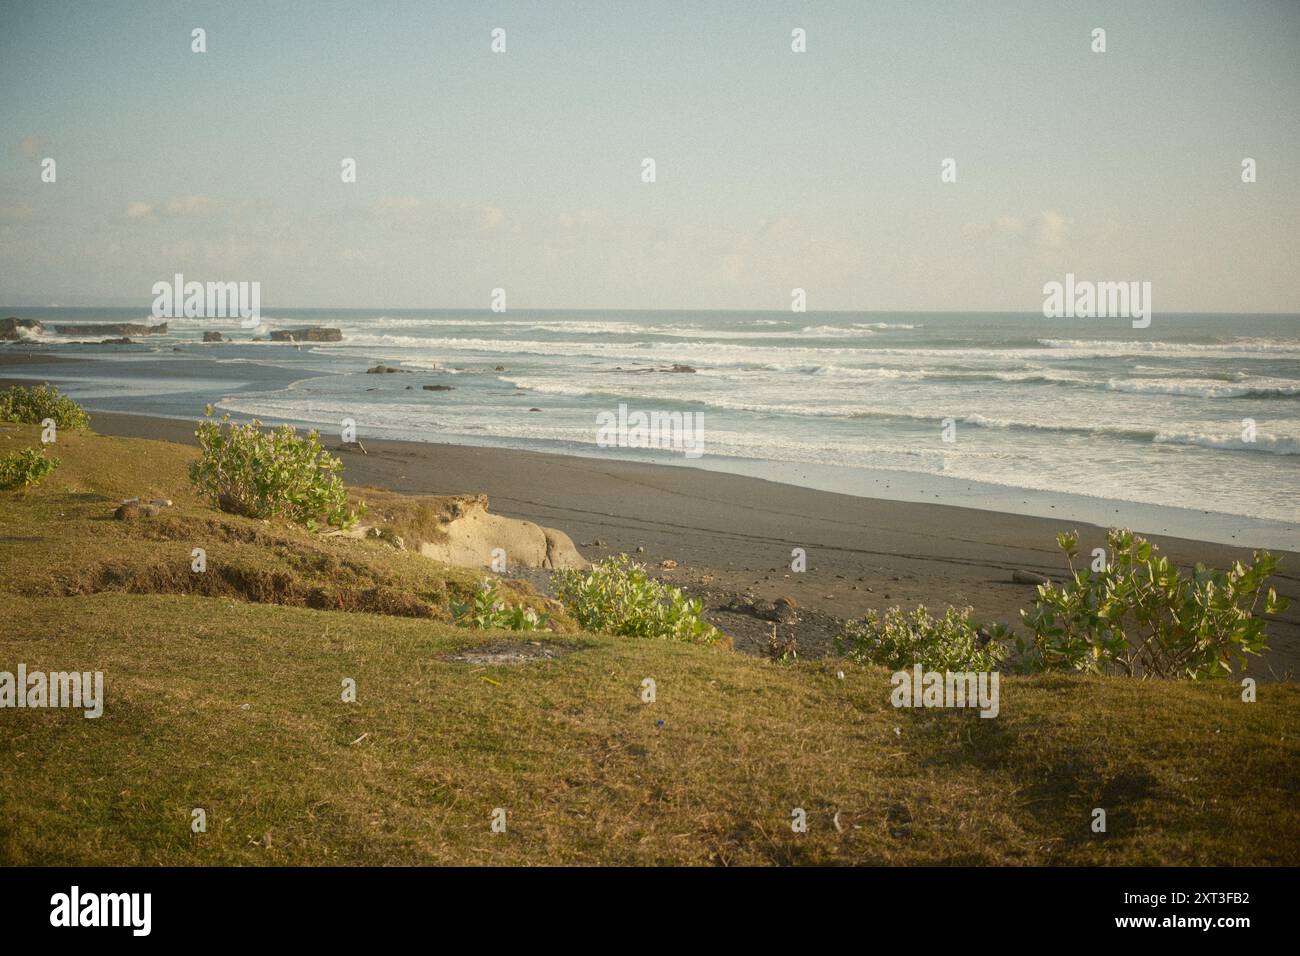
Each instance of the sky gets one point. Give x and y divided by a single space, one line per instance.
774 170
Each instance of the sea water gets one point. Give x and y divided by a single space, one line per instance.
1198 412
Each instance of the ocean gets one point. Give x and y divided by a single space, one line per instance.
1193 422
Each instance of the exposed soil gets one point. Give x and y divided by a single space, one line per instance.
510 653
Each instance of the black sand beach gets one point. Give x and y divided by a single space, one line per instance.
733 535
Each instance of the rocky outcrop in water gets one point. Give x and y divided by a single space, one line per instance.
112 328
9 328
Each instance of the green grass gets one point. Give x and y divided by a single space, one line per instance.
233 705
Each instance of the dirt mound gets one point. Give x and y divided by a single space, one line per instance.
460 531
262 586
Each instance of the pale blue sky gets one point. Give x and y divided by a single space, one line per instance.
775 169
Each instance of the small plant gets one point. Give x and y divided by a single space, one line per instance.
618 596
782 650
1141 616
25 468
268 474
33 405
898 640
487 610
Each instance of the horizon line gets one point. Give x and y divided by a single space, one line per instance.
603 309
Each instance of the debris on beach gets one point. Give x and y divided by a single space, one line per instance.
1029 577
780 611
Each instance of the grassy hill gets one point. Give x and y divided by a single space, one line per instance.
224 693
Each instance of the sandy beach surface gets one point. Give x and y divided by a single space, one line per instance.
733 536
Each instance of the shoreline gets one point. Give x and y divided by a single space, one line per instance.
733 534
203 373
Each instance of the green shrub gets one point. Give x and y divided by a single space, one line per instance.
32 405
1141 616
618 596
268 474
25 467
486 610
898 640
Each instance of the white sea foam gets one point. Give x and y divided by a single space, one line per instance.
735 352
1202 388
1239 348
1270 444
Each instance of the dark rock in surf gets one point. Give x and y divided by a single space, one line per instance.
312 333
9 328
112 328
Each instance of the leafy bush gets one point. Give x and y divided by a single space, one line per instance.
25 467
486 610
898 640
32 405
275 473
1141 616
618 596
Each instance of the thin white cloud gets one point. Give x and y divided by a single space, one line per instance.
1053 229
1049 229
